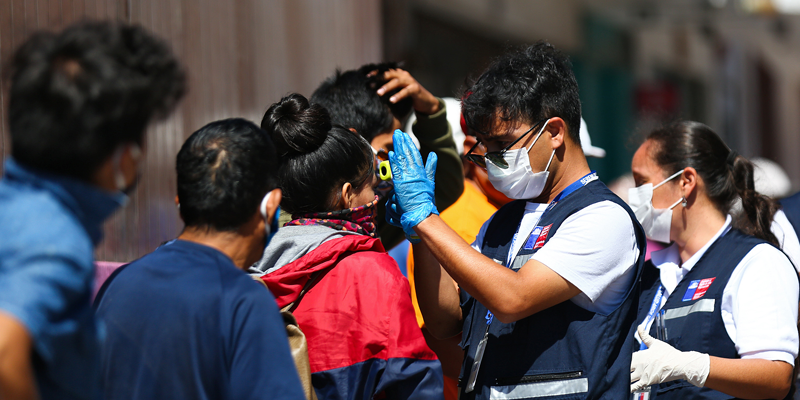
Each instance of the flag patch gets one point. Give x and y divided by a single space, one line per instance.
542 237
702 288
532 238
697 289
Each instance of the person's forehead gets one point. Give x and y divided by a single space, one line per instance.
643 165
503 129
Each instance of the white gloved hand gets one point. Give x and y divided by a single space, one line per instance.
663 363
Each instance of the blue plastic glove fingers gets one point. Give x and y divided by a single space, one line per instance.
413 182
394 215
393 211
430 166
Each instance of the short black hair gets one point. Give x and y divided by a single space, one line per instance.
316 157
77 95
352 101
224 171
524 86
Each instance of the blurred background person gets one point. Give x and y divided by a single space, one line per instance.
639 63
79 103
725 296
185 322
376 99
354 305
771 181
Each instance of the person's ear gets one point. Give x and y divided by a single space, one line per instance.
273 200
178 206
689 180
557 130
348 193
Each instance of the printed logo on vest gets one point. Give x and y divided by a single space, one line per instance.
697 289
532 238
542 237
690 291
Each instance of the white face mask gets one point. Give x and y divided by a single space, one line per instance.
518 181
655 221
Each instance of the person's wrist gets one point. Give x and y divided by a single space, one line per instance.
427 105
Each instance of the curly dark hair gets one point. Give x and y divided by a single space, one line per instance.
351 99
77 95
524 86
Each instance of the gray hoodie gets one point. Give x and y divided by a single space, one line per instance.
291 243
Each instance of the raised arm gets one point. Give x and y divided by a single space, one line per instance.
510 295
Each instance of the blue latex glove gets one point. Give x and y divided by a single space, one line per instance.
413 183
393 216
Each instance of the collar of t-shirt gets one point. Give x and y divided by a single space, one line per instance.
668 261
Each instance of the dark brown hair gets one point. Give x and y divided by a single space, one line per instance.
727 175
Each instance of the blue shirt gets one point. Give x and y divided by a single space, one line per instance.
184 323
49 226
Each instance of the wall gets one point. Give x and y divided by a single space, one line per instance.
241 56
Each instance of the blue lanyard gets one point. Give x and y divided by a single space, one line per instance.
653 310
591 176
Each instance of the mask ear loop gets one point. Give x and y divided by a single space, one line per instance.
668 179
550 160
673 176
537 138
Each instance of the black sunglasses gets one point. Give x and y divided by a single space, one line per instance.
496 157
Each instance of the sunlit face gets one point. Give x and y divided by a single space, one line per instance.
645 170
503 139
365 193
383 141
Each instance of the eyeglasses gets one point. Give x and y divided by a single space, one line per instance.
496 157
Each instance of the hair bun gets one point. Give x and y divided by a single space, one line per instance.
296 126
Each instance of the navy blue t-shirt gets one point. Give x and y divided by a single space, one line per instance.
184 323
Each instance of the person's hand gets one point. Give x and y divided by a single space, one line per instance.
421 99
394 213
661 363
413 183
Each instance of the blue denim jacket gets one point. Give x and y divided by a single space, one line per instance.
49 226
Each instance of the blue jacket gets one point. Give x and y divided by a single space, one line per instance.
49 227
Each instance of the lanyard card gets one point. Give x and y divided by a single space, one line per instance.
476 365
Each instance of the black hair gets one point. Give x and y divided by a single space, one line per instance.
316 157
727 176
525 86
352 100
77 95
224 171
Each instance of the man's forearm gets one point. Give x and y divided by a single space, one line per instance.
508 294
17 381
436 294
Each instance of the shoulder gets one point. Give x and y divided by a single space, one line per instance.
606 218
372 263
37 220
34 224
764 258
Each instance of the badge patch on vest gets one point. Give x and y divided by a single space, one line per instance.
542 237
697 289
532 238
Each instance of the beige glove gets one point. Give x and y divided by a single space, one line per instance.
663 363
